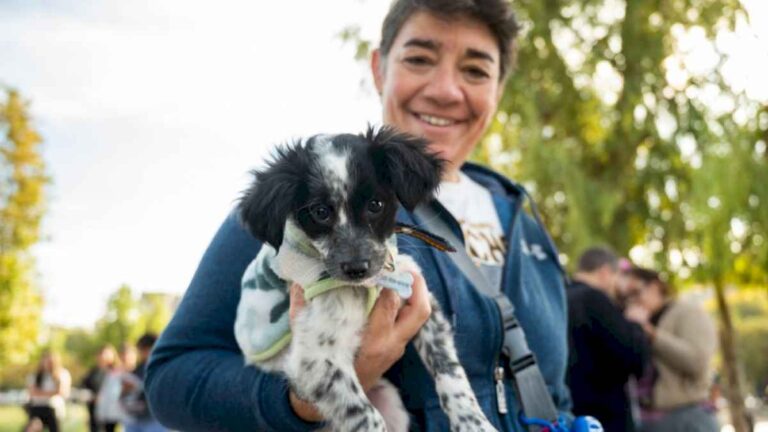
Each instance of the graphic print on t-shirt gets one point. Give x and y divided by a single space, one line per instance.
473 208
485 244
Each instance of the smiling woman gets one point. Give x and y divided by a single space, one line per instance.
440 72
441 80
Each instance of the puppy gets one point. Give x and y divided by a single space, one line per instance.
325 207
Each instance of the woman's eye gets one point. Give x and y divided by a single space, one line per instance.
375 206
418 61
477 73
320 212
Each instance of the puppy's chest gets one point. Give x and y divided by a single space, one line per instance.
333 321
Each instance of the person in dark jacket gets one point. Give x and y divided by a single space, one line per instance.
605 348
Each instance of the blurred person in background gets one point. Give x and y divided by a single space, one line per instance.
105 360
133 398
605 348
128 356
109 413
674 390
48 390
621 295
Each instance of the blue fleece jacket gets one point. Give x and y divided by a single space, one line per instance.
197 381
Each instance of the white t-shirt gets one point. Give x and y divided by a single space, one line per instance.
108 408
58 401
472 206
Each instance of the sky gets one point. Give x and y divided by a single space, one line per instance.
154 111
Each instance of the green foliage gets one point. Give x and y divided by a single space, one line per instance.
22 206
128 317
120 322
155 312
611 130
624 140
750 320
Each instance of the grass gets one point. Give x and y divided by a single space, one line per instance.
13 418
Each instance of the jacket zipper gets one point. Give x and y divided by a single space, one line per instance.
501 394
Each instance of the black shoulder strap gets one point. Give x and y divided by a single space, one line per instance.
530 388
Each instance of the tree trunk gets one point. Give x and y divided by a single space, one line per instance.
732 386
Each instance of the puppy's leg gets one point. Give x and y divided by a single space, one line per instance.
386 399
434 343
326 336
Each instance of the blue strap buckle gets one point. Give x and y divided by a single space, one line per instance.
579 424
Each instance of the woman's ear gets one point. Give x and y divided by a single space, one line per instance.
377 64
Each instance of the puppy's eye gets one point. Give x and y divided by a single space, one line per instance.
320 212
375 206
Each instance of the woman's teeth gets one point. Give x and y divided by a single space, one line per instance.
435 121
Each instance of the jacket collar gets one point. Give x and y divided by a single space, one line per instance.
493 181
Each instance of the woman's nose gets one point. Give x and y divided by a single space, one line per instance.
445 87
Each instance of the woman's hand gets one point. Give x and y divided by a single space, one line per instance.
393 322
391 325
637 314
641 316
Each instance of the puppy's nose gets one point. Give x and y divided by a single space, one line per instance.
355 269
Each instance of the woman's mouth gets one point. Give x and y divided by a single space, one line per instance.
435 120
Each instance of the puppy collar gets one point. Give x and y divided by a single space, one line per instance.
299 243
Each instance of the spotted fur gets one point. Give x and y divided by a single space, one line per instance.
343 191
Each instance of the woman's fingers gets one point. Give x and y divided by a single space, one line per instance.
416 310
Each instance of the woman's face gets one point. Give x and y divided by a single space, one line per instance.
646 294
47 362
106 357
440 81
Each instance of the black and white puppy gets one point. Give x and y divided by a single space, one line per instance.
340 193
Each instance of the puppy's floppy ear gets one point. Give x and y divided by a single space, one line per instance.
405 163
268 202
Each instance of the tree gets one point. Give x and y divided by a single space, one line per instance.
22 206
625 140
155 312
120 323
128 317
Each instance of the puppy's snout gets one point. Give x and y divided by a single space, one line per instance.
356 269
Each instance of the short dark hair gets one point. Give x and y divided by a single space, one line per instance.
146 341
649 276
496 14
596 257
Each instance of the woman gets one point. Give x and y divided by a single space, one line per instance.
105 361
109 411
674 392
440 71
48 389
